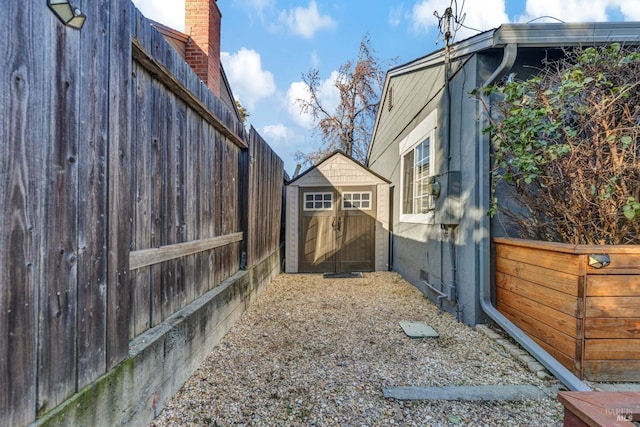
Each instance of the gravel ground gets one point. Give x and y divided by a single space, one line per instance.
314 351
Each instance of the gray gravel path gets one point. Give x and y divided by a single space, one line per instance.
314 351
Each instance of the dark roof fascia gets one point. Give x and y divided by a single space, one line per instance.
335 153
163 29
543 35
227 87
567 34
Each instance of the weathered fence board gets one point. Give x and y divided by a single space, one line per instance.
119 179
264 188
58 309
113 153
92 189
146 257
21 208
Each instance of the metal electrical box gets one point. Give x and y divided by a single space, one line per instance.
448 210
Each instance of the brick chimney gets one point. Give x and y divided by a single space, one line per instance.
202 25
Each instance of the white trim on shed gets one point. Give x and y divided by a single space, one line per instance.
346 175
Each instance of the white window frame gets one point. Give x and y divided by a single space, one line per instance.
426 129
351 193
316 193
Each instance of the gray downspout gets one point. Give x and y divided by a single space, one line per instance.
563 374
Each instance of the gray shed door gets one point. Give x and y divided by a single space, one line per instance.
337 229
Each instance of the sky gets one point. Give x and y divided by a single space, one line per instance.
267 45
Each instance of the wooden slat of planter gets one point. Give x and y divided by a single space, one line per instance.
621 263
547 315
557 300
611 370
613 286
560 281
611 349
612 307
552 260
570 362
612 328
562 342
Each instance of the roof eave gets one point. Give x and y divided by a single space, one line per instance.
567 34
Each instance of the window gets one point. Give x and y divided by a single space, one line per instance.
417 165
356 201
318 201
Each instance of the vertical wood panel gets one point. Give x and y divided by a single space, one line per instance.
181 192
201 276
22 82
119 170
92 190
168 186
58 308
157 181
192 148
218 213
141 158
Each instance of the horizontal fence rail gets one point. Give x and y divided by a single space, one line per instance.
146 257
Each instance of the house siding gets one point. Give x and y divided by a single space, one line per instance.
423 252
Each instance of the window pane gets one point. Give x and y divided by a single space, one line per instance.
365 204
318 201
407 191
365 196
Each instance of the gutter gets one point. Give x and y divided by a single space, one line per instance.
572 382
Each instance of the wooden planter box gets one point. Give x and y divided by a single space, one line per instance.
587 318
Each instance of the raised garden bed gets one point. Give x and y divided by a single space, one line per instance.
588 318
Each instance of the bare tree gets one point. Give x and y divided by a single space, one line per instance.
348 128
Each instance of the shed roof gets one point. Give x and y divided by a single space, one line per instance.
331 156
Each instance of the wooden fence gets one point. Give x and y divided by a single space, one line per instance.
264 190
121 183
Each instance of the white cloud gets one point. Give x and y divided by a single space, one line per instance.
296 91
327 92
575 10
395 15
250 83
278 132
630 9
169 13
478 15
567 10
315 60
306 21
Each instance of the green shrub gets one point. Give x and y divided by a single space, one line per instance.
566 145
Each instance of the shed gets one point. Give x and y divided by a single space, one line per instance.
337 218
